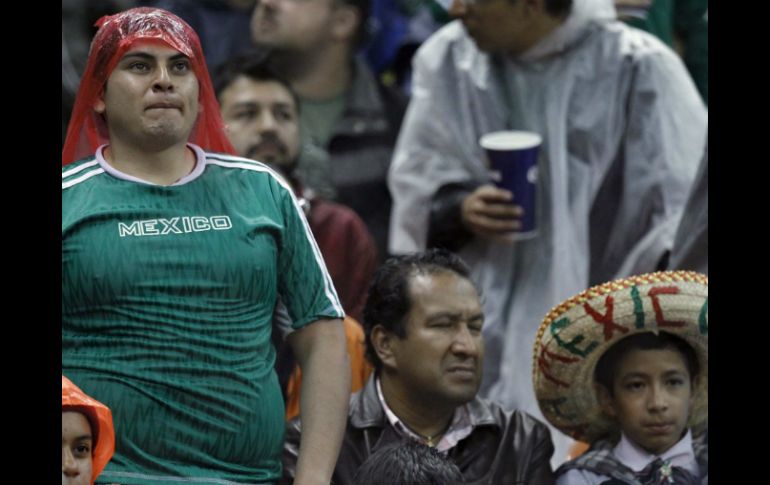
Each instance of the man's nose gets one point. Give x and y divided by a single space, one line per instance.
267 121
465 342
658 399
163 80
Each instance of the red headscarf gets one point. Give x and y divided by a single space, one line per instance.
100 418
117 33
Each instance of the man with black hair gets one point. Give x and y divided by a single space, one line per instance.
262 112
349 121
423 323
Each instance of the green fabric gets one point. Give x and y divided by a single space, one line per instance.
688 20
659 21
167 303
317 118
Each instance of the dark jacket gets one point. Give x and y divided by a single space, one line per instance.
505 448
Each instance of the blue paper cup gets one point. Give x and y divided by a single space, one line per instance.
513 166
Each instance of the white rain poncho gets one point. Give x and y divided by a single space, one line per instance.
691 244
623 131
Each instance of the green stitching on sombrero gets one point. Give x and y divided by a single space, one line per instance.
571 346
638 308
703 323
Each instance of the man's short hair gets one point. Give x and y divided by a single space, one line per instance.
253 67
409 463
388 301
607 366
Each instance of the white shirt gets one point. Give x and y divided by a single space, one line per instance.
636 458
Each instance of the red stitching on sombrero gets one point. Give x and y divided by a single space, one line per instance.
609 287
685 276
543 363
609 325
665 290
560 358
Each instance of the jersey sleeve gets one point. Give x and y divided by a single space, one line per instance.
303 280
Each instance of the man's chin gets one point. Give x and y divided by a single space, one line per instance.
482 44
462 395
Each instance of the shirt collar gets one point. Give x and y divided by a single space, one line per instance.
636 458
200 165
462 424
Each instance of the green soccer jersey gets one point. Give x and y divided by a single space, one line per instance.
167 301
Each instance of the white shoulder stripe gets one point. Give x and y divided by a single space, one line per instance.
79 168
329 289
86 176
222 157
245 164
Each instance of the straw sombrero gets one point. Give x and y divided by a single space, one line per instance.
577 332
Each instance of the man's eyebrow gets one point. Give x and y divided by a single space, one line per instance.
633 375
82 438
148 56
675 372
245 104
444 314
139 54
455 315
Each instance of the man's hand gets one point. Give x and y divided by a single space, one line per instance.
489 212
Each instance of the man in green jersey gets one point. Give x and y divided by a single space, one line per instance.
172 260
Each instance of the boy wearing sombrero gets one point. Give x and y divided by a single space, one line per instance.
624 367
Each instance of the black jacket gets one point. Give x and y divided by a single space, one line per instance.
505 447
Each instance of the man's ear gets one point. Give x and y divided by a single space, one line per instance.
99 105
606 401
345 22
382 341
